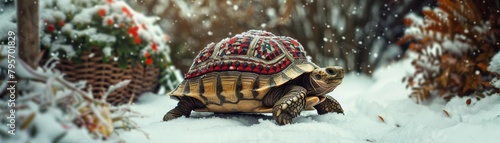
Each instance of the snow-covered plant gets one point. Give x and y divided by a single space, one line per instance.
72 27
49 108
454 44
8 21
494 67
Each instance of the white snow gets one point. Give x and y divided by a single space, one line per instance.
66 48
100 37
495 82
8 15
364 99
45 40
107 51
495 67
495 64
85 16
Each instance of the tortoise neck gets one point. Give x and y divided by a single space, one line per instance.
314 87
308 83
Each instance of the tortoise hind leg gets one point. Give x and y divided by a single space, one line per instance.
290 105
329 105
184 107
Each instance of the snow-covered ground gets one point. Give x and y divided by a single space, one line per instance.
365 101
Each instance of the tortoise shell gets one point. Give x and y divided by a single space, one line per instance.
235 74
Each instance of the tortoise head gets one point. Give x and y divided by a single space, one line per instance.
325 80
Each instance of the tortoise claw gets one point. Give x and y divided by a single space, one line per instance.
328 106
289 107
284 118
171 115
183 108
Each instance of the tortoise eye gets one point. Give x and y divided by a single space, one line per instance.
330 71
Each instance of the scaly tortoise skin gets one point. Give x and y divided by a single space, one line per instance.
256 72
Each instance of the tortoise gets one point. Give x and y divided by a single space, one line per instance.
256 72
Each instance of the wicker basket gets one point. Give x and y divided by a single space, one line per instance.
101 75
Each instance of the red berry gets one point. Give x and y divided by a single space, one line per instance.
127 11
154 47
134 31
61 23
109 21
137 40
149 61
51 28
102 12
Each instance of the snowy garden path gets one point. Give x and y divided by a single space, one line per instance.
364 99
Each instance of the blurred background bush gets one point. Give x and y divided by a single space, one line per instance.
359 35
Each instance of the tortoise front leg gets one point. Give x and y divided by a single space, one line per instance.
290 105
329 105
184 107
